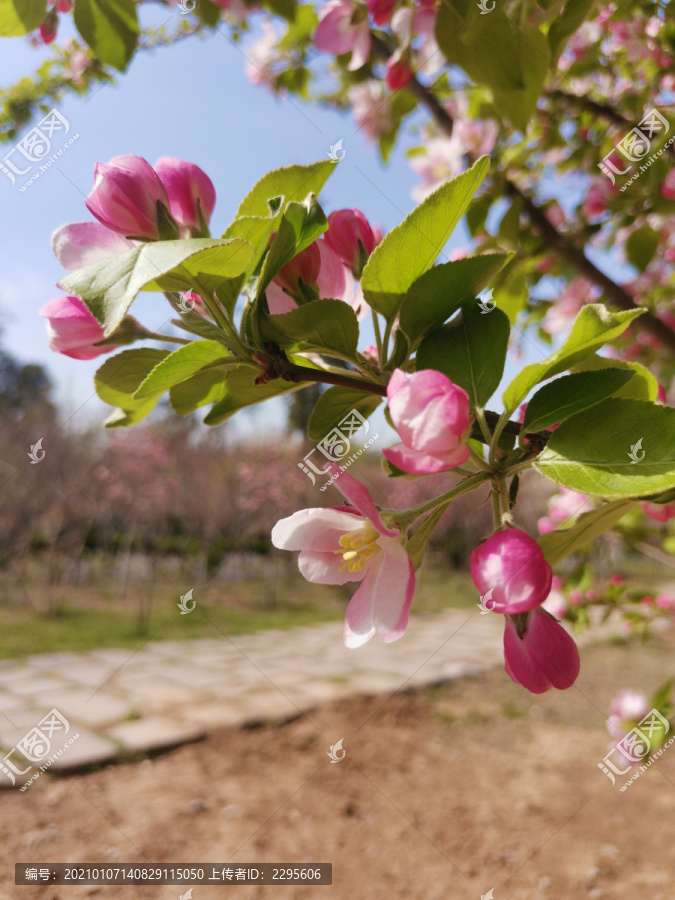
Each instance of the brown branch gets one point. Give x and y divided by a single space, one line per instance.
603 110
558 242
576 257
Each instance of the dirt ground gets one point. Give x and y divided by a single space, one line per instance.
470 786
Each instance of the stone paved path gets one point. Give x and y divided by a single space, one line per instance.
122 702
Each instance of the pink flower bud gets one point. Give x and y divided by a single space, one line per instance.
48 29
72 329
125 196
304 267
539 653
431 416
64 6
512 565
398 72
575 597
660 512
629 706
668 187
191 193
381 10
616 579
350 236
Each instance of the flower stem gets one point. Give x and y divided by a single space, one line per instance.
407 516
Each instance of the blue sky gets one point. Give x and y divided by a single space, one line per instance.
193 101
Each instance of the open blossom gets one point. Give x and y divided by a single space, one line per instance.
72 330
562 508
565 309
440 161
432 418
341 544
513 567
342 28
350 236
538 653
370 108
428 58
125 197
190 191
625 709
261 56
660 512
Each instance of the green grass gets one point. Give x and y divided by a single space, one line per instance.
89 618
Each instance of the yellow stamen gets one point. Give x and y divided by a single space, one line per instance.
357 548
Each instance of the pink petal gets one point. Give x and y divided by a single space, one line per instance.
552 650
359 496
518 664
81 243
314 529
278 300
415 463
360 49
382 604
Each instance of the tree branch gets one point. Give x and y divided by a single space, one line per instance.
558 242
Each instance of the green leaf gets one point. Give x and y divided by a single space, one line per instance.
438 293
485 46
207 386
518 106
118 379
256 231
327 326
183 364
641 247
241 391
593 451
417 544
412 247
291 183
110 28
471 351
336 403
571 18
642 386
208 13
571 394
18 17
593 327
108 287
556 545
301 224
